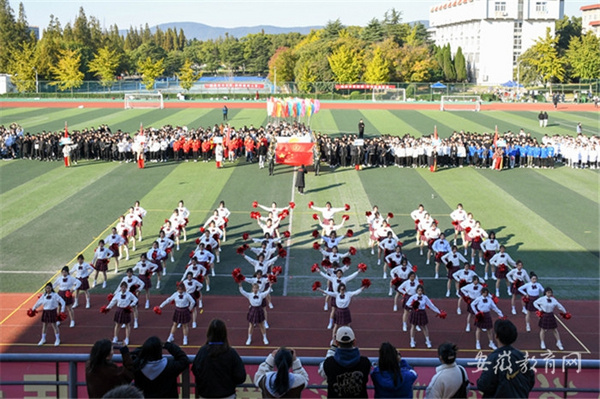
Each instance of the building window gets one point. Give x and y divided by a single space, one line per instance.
541 7
500 6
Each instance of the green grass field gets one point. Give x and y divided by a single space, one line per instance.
49 214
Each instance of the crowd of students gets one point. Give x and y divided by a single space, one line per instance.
180 144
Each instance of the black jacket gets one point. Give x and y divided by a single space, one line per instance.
217 376
165 384
347 374
510 380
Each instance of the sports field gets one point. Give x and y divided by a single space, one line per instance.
49 214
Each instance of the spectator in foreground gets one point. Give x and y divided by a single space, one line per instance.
101 374
281 383
449 377
217 367
344 363
393 377
509 381
156 375
124 391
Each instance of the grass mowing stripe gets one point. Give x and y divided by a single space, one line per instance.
16 115
347 121
460 121
424 124
43 193
18 172
381 120
582 182
323 122
565 215
247 117
73 117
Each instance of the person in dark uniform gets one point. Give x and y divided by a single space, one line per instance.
317 159
271 158
300 181
225 110
361 129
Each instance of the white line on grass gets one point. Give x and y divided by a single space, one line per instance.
289 240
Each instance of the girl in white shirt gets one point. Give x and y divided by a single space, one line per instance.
124 301
531 291
194 288
407 289
256 314
184 303
482 307
100 261
546 306
224 213
457 216
489 247
141 214
184 214
418 316
67 285
82 271
517 277
342 316
51 302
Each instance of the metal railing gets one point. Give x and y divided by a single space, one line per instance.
74 380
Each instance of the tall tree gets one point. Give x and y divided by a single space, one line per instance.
23 68
256 52
346 64
544 59
583 56
567 29
104 66
12 34
231 52
150 71
448 65
460 65
332 29
282 62
187 75
67 73
417 64
373 32
378 67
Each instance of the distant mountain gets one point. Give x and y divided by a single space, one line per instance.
205 32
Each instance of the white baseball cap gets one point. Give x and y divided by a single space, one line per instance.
344 334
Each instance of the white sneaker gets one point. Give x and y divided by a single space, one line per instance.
390 292
418 328
249 341
194 325
72 324
468 328
458 311
421 253
266 324
265 341
87 305
513 311
207 288
212 272
494 277
270 305
379 262
481 262
172 259
404 327
140 239
457 294
330 325
477 345
395 308
94 284
75 304
524 311
465 252
147 305
127 258
428 343
178 248
437 276
508 292
135 324
123 325
218 259
120 257
104 284
200 304
427 262
325 307
126 341
412 343
42 342
493 346
158 285
384 275
447 293
559 345
485 277
164 272
372 251
115 340
116 271
179 325
185 341
171 338
498 293
543 345
528 327
57 342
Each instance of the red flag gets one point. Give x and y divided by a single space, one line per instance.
294 154
66 131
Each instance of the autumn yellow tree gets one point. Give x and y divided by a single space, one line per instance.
187 75
150 70
378 68
67 73
22 67
346 64
104 65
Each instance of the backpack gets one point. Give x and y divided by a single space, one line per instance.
462 391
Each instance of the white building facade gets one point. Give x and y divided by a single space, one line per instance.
492 33
590 19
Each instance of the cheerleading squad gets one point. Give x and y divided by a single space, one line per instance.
471 289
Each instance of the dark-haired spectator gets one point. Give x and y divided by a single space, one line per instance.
504 376
101 373
156 375
217 367
281 383
393 377
124 391
449 377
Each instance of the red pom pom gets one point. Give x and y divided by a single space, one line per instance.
240 250
238 278
68 294
365 283
202 229
292 205
166 220
390 215
503 318
417 221
442 314
479 316
368 213
414 268
104 309
61 317
495 299
315 216
245 236
314 268
484 285
396 281
316 246
286 234
472 267
400 243
191 254
539 313
416 304
110 297
245 246
282 253
315 233
310 204
345 217
566 316
255 204
346 261
349 233
157 310
502 268
325 263
272 278
346 207
216 236
421 282
277 270
525 299
197 241
236 271
362 267
468 229
455 223
316 284
352 251
226 220
31 312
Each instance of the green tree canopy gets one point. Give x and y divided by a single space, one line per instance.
23 67
583 55
150 71
104 65
67 73
346 64
460 66
187 75
378 68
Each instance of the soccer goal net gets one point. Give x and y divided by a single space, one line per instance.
144 100
389 94
460 103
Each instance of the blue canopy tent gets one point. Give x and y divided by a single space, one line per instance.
438 85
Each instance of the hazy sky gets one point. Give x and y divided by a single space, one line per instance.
232 13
